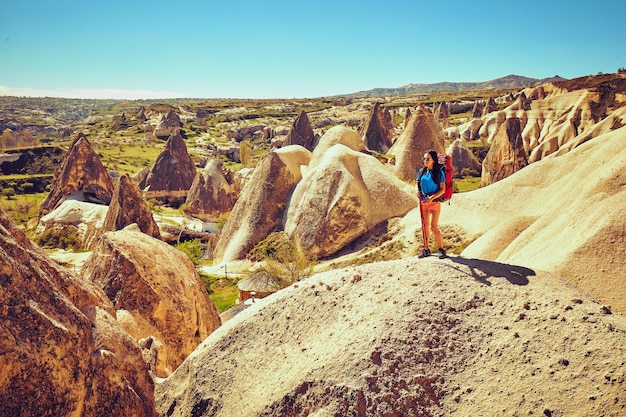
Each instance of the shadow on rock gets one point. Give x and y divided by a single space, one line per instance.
482 270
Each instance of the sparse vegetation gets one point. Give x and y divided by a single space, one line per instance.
281 259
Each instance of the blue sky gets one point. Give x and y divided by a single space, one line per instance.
287 49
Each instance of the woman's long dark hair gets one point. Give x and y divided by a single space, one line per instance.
436 166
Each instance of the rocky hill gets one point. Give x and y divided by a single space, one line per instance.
509 81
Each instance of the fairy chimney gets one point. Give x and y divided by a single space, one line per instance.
421 133
213 192
506 155
172 173
301 133
128 207
80 172
377 130
490 107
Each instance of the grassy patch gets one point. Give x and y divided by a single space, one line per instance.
22 207
224 297
466 184
128 159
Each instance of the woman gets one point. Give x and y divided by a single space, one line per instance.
431 185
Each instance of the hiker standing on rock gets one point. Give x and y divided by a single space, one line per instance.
431 188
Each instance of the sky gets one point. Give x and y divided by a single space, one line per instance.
138 49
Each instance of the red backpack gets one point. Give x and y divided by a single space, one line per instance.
446 162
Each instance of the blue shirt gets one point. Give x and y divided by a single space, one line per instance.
427 184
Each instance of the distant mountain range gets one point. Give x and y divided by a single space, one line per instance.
510 81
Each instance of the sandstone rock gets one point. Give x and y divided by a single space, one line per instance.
127 207
213 192
260 208
336 135
119 122
422 132
506 155
173 172
159 287
490 107
521 103
168 124
301 133
87 219
477 110
81 171
57 357
376 131
341 198
462 158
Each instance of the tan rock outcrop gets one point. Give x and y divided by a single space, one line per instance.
422 132
377 129
336 135
341 198
213 192
81 171
462 158
168 124
490 107
173 172
506 155
260 208
127 207
301 133
157 288
62 352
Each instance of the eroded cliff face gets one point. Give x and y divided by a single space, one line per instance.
62 352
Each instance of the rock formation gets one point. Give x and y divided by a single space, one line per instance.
128 207
119 122
156 291
168 124
301 133
341 198
260 208
213 192
377 129
80 172
462 158
506 155
336 135
62 352
490 107
422 132
477 110
173 172
410 338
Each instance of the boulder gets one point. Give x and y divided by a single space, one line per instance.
127 207
81 171
506 155
62 352
157 291
377 129
477 110
260 208
342 198
213 192
301 133
421 133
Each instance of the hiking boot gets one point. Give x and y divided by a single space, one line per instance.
424 253
442 253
